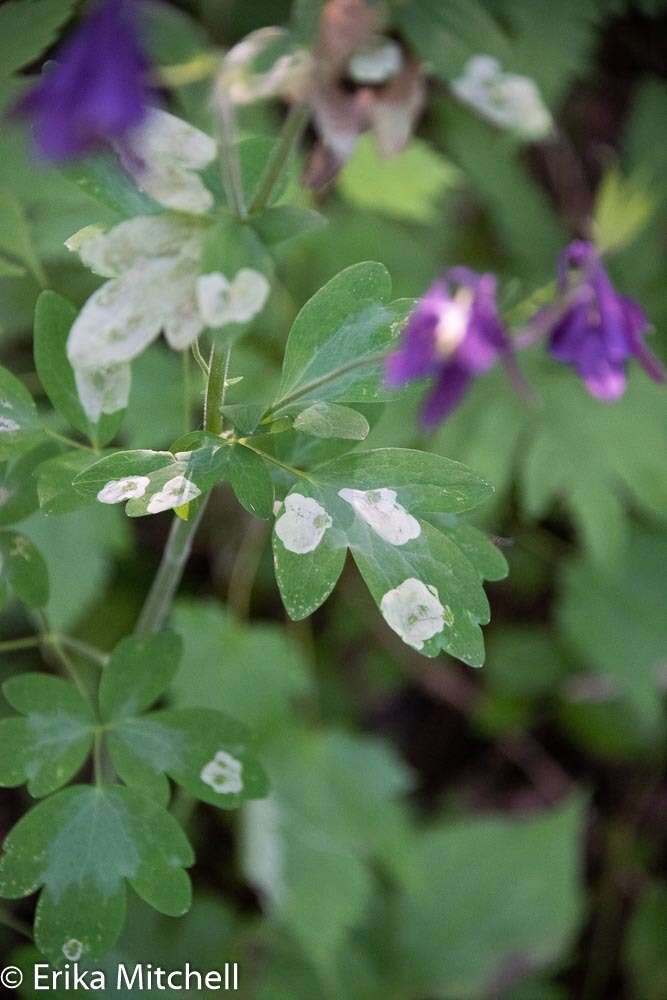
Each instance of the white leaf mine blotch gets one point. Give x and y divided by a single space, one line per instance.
174 493
414 611
302 525
162 156
509 100
117 490
73 950
223 774
222 301
381 511
103 390
8 426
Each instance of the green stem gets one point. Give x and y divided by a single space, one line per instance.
293 127
316 383
84 649
27 642
68 441
230 166
299 473
179 544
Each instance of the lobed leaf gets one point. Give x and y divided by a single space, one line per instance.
48 746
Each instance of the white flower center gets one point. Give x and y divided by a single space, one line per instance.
453 322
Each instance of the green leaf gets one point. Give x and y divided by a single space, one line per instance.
457 933
623 208
417 575
446 35
201 749
251 671
54 478
336 344
8 269
644 941
201 468
54 316
329 420
19 424
138 672
170 35
28 29
251 481
407 186
48 746
333 809
18 491
579 453
24 569
615 619
101 177
486 557
284 223
82 845
231 245
15 235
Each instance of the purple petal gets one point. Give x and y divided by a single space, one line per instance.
96 90
445 396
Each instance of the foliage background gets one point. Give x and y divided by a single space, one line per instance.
445 832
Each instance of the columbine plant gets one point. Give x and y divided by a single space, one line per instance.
192 259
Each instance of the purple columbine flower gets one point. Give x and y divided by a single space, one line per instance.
453 335
601 330
96 90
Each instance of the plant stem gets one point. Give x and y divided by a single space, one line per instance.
68 441
27 642
276 461
230 166
179 544
293 126
84 649
291 397
215 389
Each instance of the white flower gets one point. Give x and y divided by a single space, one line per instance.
222 301
117 490
414 611
302 525
174 493
163 155
223 774
507 99
379 509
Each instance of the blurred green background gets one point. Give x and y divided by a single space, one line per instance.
434 831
